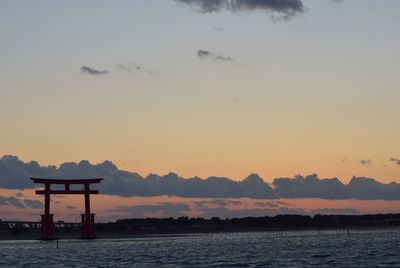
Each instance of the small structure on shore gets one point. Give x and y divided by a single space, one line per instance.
87 228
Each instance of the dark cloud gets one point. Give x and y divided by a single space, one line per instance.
15 174
218 202
366 162
164 210
369 189
285 8
395 160
19 195
310 186
33 203
92 71
70 207
205 54
271 204
335 211
6 213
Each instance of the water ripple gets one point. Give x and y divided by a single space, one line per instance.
292 249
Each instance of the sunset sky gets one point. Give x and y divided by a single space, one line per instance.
159 86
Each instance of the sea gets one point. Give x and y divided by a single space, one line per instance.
373 248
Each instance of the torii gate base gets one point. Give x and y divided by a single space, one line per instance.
47 227
48 230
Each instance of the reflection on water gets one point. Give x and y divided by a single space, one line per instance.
293 249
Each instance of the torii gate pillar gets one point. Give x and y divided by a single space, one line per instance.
87 231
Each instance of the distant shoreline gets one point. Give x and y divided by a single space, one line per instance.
154 227
35 236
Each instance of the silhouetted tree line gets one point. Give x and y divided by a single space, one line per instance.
279 222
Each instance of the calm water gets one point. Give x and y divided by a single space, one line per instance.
293 249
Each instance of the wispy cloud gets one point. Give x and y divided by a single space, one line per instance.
395 160
167 209
31 203
129 67
19 203
271 204
366 162
92 71
11 201
205 54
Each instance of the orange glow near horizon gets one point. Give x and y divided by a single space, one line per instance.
106 207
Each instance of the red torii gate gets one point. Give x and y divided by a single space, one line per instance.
87 231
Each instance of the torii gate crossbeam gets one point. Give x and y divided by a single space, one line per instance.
87 231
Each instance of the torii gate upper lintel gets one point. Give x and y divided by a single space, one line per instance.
87 231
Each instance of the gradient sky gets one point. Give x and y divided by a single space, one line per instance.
314 94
